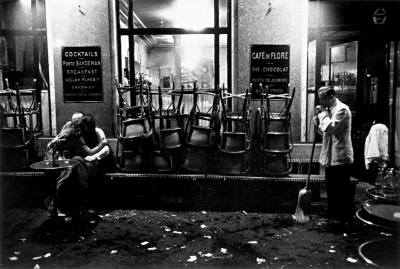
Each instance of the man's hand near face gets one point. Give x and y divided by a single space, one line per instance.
319 109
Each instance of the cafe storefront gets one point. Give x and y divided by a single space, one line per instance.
210 46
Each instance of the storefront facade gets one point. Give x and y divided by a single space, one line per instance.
116 41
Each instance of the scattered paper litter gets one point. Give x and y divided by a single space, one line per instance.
101 216
332 246
204 212
386 234
344 234
47 255
153 248
13 258
351 260
166 228
144 243
224 250
37 258
107 215
207 236
113 251
332 251
36 266
82 238
176 232
208 255
17 252
287 231
92 221
203 226
183 247
244 212
260 261
22 239
192 259
252 242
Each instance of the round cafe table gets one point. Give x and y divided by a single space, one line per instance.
51 173
374 193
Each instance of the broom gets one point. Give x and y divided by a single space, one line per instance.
302 213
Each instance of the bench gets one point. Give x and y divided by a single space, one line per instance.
205 187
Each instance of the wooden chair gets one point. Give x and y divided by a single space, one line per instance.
167 135
134 128
234 139
200 131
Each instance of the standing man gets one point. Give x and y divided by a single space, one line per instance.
333 120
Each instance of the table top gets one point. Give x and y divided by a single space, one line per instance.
366 218
62 165
373 193
383 253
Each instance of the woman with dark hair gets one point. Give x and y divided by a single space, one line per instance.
91 150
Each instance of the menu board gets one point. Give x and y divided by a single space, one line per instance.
82 75
269 66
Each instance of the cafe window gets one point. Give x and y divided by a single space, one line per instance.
174 43
23 50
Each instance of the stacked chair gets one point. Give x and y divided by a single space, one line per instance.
200 131
134 128
276 133
167 132
20 126
234 138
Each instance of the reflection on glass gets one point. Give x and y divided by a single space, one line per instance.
16 15
188 14
123 14
223 15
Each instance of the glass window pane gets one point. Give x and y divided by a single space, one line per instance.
16 15
176 60
311 90
223 13
41 14
189 14
17 63
123 14
223 61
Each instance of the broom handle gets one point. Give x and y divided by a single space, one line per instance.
311 158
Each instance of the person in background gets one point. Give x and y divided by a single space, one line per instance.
333 120
125 80
376 148
94 158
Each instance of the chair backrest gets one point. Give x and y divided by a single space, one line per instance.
12 137
170 138
283 108
135 128
234 141
200 136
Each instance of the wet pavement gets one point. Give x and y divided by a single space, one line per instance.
172 238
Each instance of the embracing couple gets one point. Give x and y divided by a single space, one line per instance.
88 145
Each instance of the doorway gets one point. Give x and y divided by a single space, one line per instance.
372 96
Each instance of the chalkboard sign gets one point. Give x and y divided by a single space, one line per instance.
269 66
82 75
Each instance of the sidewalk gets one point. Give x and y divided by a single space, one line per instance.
149 238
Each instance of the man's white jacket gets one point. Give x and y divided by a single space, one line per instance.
335 127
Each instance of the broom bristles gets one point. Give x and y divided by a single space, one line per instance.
301 214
